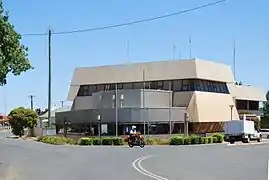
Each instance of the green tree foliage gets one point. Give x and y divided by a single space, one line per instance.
13 55
265 109
21 118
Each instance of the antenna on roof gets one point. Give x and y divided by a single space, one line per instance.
234 58
128 52
190 47
174 51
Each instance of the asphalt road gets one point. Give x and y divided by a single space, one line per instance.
28 160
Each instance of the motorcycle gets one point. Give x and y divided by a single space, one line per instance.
135 140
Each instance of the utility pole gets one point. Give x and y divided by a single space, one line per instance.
32 101
62 103
49 85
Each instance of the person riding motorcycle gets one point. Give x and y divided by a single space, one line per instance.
133 133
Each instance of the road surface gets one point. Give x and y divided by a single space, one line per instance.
28 160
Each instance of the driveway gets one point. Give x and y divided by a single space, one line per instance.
28 160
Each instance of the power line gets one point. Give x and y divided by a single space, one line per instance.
128 23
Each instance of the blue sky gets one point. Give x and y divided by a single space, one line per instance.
212 31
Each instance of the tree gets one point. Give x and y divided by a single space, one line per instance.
13 55
21 118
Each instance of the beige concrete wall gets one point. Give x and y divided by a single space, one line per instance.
182 99
158 70
211 107
246 92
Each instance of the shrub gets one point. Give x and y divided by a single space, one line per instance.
118 141
56 140
177 140
204 140
187 140
96 141
210 139
107 141
85 141
195 139
215 139
220 138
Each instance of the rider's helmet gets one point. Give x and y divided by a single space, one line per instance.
133 127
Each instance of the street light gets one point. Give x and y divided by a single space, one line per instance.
99 122
231 106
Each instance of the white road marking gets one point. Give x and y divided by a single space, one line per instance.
137 166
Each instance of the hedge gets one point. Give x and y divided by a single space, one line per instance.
56 140
181 140
118 141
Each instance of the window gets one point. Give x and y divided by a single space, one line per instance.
112 86
153 84
147 85
138 85
253 105
191 85
241 104
92 89
177 84
185 85
100 87
159 85
166 85
83 90
214 86
120 86
127 85
197 85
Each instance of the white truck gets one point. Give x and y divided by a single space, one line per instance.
241 130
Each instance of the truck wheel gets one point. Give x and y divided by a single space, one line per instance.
260 139
231 142
246 140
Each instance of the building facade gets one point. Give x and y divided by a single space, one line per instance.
203 91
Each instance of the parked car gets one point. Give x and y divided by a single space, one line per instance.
265 133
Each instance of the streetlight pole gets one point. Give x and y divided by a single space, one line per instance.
169 113
49 87
100 124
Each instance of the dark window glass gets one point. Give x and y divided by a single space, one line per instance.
191 85
185 85
197 85
138 85
92 89
205 86
153 84
177 85
254 105
218 87
100 87
166 85
112 86
120 86
127 85
214 86
159 85
147 85
241 104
